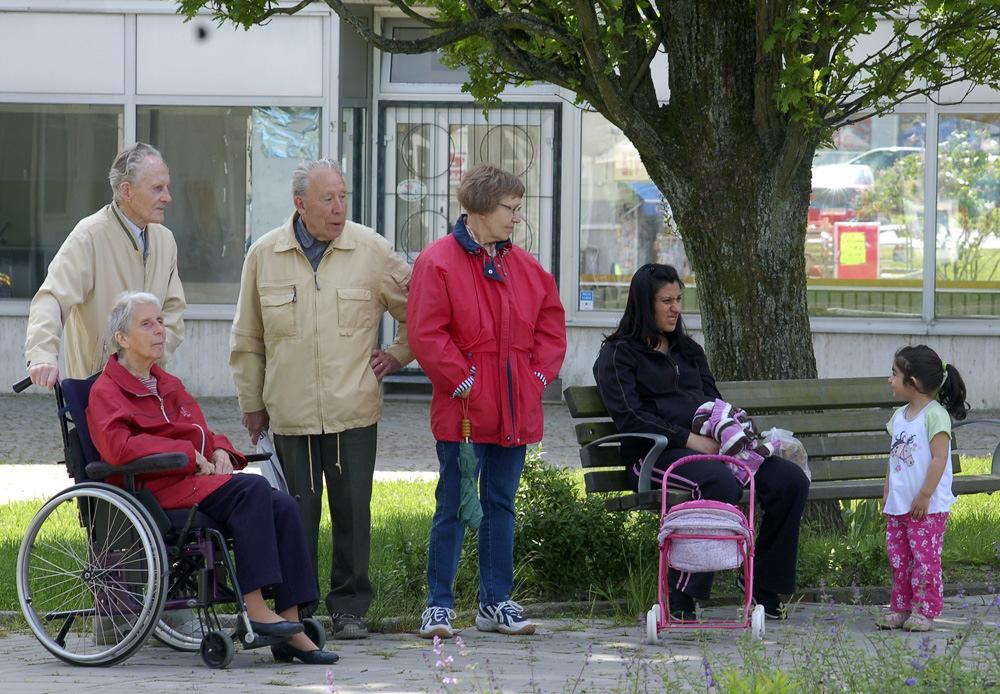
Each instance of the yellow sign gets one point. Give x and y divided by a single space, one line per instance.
852 248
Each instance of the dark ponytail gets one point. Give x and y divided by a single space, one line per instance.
923 369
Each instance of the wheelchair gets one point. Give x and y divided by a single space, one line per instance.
101 566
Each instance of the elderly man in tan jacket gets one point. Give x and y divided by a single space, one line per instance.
306 363
121 247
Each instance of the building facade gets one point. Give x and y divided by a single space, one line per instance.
903 243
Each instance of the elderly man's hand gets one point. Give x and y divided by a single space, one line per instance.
223 463
255 422
204 467
383 364
44 375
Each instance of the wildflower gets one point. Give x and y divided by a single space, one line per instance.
438 648
709 677
910 682
917 664
331 685
997 546
449 681
459 642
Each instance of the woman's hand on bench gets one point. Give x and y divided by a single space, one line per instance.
702 444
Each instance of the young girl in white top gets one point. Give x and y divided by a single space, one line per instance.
917 492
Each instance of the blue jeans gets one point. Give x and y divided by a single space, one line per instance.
499 473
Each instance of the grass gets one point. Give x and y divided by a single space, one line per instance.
621 568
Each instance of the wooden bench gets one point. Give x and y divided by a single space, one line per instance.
840 421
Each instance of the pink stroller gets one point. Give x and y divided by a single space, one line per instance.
700 536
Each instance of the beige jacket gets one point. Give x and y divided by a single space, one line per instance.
99 260
301 341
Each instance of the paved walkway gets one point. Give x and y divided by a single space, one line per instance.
30 443
583 655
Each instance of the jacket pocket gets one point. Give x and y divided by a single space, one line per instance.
278 311
354 309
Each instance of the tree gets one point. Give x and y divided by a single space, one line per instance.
755 87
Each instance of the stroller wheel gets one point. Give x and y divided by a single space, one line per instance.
652 619
757 622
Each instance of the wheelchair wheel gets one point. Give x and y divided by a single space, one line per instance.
185 635
217 649
314 630
91 575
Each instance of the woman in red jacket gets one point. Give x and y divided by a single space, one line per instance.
138 409
485 322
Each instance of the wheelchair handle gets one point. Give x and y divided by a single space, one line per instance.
22 384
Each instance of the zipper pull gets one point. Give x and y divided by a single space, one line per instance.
295 293
316 280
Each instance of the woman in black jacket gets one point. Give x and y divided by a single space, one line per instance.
652 377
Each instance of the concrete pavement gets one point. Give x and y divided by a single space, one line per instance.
566 655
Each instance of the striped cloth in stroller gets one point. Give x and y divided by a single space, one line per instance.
705 517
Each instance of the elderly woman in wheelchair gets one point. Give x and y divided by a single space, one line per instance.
137 410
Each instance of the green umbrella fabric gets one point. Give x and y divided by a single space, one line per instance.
470 511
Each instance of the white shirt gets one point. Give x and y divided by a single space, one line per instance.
140 234
910 459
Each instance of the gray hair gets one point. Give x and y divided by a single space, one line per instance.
121 313
128 163
300 177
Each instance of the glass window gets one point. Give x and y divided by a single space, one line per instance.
354 162
864 239
624 220
418 68
968 216
53 173
230 174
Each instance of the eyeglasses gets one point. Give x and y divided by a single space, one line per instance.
514 211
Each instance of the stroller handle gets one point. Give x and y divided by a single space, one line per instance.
708 456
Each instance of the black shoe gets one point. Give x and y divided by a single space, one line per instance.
682 606
348 626
774 608
286 653
283 629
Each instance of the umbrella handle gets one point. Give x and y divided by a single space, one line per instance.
466 424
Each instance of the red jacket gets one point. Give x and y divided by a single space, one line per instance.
503 317
126 422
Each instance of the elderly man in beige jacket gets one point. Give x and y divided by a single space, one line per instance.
121 247
305 360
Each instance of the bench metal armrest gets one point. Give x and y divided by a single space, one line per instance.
646 472
995 465
157 462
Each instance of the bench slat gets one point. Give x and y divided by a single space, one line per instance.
769 396
802 424
809 394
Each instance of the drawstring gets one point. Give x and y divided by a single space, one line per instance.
309 448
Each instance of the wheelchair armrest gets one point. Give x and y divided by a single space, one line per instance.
995 465
646 471
256 457
157 462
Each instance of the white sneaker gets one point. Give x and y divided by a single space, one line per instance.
505 617
436 621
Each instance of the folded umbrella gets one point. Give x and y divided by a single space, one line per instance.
470 511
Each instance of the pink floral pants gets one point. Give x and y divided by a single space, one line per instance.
914 549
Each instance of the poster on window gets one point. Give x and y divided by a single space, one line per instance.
855 250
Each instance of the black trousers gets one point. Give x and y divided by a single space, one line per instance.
268 539
346 461
781 488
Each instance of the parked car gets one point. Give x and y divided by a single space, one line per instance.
883 157
835 190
